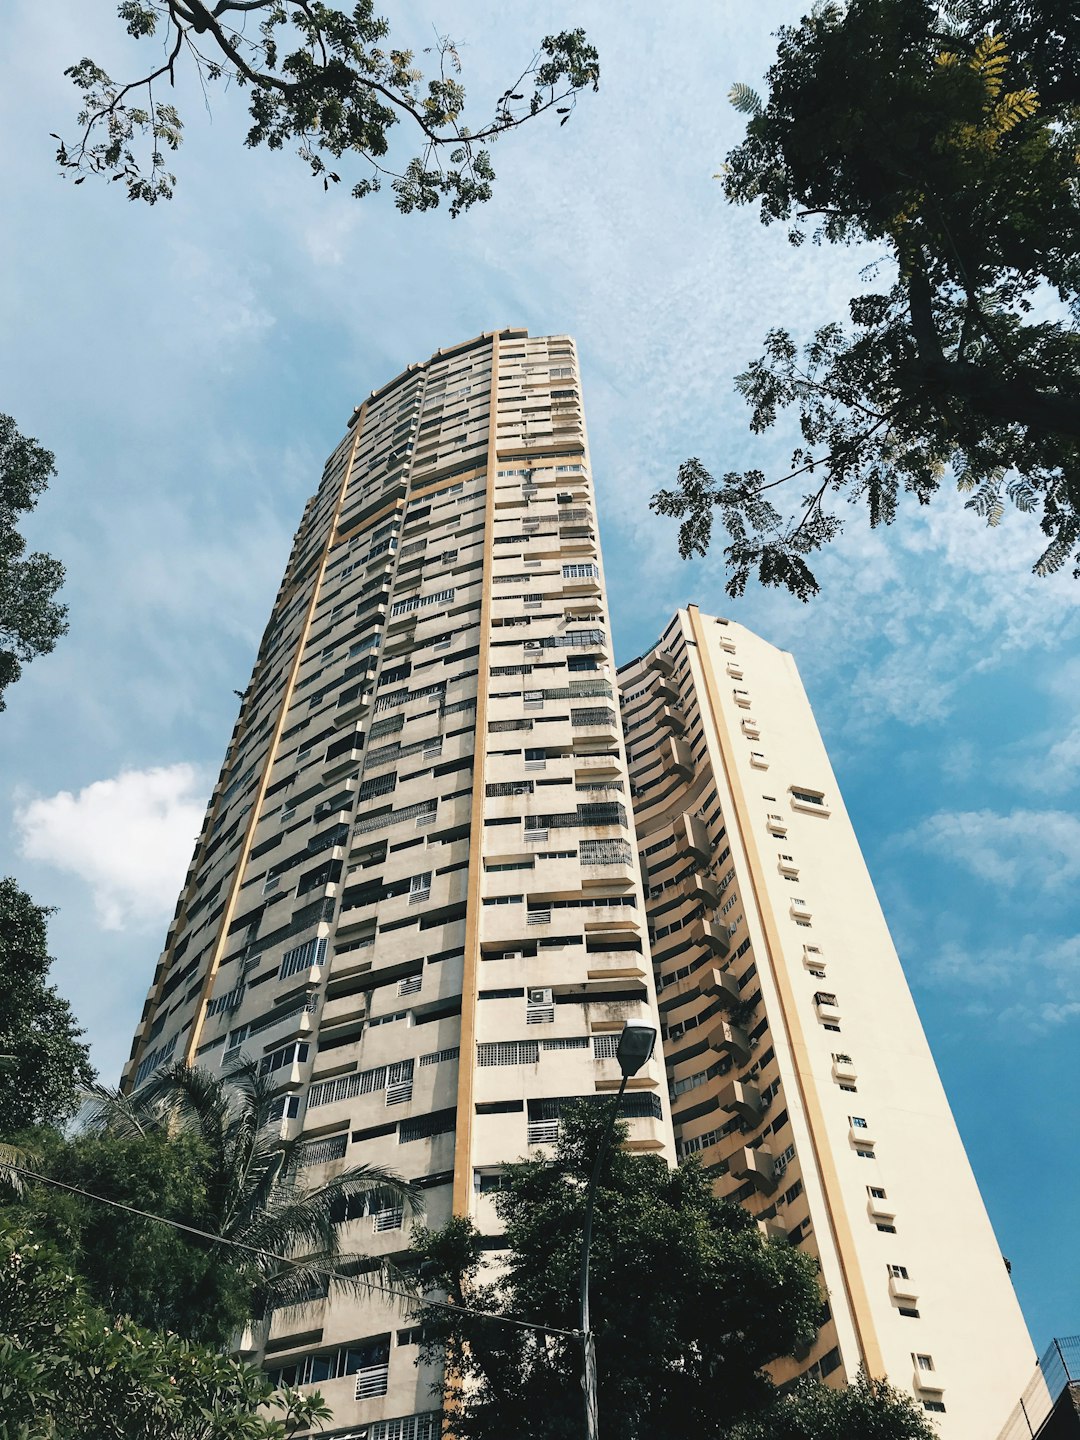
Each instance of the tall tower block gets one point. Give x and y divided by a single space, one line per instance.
415 899
797 1065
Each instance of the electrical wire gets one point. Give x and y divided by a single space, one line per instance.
281 1259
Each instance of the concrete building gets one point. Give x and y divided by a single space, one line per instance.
416 900
797 1065
430 939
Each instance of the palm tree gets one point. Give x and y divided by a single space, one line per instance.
258 1197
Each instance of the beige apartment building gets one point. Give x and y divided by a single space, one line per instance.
797 1065
415 898
417 901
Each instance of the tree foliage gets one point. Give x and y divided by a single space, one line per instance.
688 1302
43 1062
330 81
68 1371
248 1186
31 620
949 138
133 1267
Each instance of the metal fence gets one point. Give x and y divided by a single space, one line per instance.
1059 1367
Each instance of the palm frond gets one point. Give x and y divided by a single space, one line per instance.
12 1155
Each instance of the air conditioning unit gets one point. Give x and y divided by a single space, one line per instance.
539 997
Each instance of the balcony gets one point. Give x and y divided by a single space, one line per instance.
692 836
827 1007
928 1382
881 1209
756 1166
730 1040
843 1069
671 719
772 1230
711 935
679 758
903 1289
660 660
666 689
724 988
741 1100
862 1136
705 890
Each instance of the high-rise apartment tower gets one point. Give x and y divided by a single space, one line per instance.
797 1065
416 901
415 898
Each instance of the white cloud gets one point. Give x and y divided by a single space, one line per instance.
1034 982
1036 849
129 838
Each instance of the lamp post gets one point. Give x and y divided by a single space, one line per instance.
635 1047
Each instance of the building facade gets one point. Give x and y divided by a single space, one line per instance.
797 1065
415 898
417 902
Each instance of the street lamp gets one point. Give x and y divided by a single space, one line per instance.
635 1047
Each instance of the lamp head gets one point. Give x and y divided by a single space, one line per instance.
635 1046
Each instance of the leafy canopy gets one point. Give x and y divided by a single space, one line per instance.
68 1371
949 138
43 1062
31 621
688 1302
330 81
235 1177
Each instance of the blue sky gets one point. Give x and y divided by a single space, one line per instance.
191 365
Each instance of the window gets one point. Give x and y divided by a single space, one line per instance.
808 797
875 1192
907 1312
899 1272
935 1405
857 1122
887 1229
296 1053
865 1154
586 571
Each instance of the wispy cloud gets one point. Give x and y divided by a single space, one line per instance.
1036 850
128 838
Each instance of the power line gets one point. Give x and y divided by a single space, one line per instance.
282 1259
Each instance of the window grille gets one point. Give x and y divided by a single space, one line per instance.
542 1132
425 810
303 957
399 1082
509 787
594 715
605 852
415 602
508 1052
411 985
605 1046
538 917
347 1086
436 1057
321 1152
585 571
498 726
380 785
420 888
230 1001
421 1127
566 1042
155 1060
404 697
539 1014
235 1040
372 1380
383 1220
